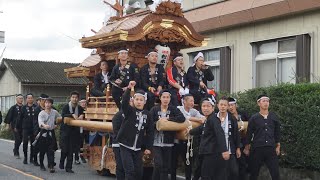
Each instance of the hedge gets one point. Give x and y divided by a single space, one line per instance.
298 108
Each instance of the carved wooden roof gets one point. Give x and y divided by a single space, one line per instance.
166 25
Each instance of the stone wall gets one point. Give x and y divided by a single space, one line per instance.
291 174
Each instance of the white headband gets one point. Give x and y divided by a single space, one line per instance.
210 101
143 95
263 97
123 50
177 58
233 102
151 53
166 92
200 54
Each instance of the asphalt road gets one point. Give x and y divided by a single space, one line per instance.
13 169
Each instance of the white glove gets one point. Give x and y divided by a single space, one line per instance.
181 92
186 91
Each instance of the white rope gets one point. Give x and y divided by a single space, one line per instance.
104 151
189 146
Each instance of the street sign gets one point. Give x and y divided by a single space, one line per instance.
1 36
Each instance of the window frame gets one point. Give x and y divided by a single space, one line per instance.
270 56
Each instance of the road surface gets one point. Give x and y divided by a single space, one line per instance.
13 169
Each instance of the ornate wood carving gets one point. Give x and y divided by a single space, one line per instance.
165 35
169 8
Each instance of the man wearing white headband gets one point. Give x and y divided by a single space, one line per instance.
136 126
122 74
264 140
229 125
198 77
152 77
164 140
11 119
177 79
242 117
213 148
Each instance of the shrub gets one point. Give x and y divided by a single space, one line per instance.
298 108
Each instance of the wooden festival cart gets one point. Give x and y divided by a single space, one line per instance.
137 32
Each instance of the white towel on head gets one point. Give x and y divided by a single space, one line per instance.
200 54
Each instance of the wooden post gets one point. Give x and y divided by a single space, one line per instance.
107 90
87 92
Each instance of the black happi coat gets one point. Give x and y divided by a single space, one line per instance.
234 136
36 128
174 76
13 115
99 83
194 77
129 73
116 124
174 114
263 132
212 136
129 127
28 117
69 135
148 81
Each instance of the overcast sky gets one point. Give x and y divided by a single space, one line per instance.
49 30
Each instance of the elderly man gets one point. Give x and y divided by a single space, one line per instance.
181 148
12 118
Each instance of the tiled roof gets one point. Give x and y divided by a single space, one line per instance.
41 72
124 24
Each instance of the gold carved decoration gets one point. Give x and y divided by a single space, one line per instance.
166 35
171 8
166 23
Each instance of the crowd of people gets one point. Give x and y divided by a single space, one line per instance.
35 123
224 150
219 148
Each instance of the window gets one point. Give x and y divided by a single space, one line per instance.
211 58
191 4
275 62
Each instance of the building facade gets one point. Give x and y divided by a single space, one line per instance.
36 77
254 43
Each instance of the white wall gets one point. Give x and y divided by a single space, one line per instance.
240 37
9 84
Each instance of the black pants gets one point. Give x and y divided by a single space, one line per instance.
213 167
162 162
180 150
119 167
47 146
197 171
69 156
174 98
266 155
36 149
27 136
198 95
132 163
243 166
81 141
150 100
97 92
117 94
232 168
17 141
